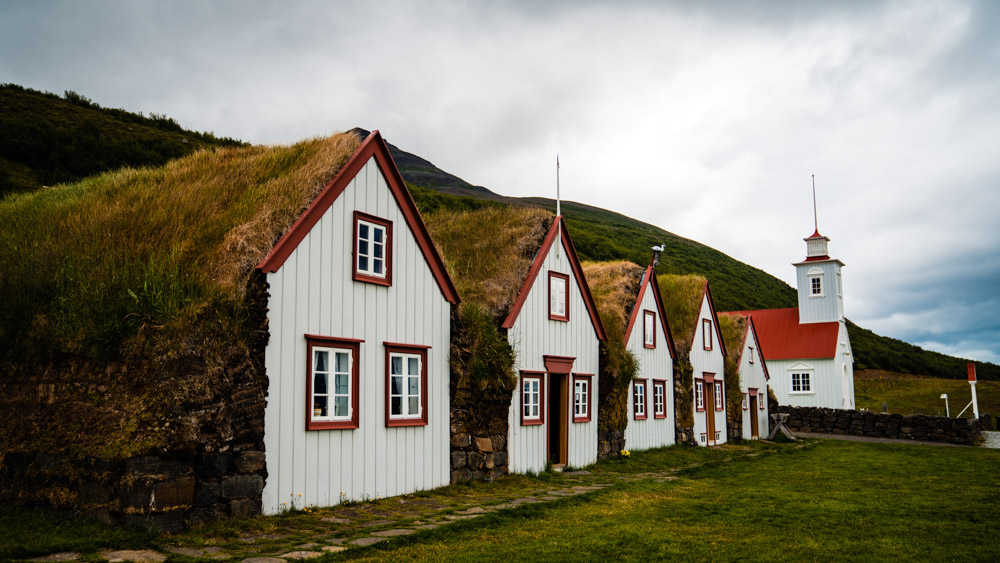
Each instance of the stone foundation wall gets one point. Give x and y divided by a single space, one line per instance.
864 423
610 443
685 435
479 433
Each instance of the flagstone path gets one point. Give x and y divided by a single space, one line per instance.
353 525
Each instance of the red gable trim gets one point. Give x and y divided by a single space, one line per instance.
783 338
558 229
373 146
649 277
760 349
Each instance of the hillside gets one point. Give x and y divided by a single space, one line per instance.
46 140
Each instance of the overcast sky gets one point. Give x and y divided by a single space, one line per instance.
706 119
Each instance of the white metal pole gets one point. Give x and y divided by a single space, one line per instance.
975 402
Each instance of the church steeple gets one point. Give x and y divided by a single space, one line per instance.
821 292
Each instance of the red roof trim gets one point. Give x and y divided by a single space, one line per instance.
574 262
649 277
816 258
373 146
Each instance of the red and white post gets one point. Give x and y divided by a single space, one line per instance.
972 383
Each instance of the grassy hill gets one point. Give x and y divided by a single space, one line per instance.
47 140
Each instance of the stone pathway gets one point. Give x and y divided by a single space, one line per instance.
362 524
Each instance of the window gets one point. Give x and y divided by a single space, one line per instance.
558 304
801 382
751 354
840 285
706 333
372 249
719 402
406 384
532 399
639 400
699 394
761 401
649 329
815 282
581 398
659 399
332 383
746 402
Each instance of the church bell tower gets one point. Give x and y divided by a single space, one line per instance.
821 291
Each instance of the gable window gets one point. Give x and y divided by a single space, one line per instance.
699 394
659 399
649 329
751 354
532 397
815 282
639 400
802 382
746 403
332 383
406 375
719 402
706 333
761 401
581 398
372 249
558 303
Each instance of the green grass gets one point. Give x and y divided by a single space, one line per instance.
835 500
921 395
27 533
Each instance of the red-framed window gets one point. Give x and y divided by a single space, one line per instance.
720 403
659 398
372 253
706 333
558 296
532 398
405 384
582 388
649 329
332 382
699 395
639 399
751 354
746 402
761 400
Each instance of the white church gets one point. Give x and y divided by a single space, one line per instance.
807 349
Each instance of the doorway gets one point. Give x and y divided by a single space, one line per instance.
558 427
710 411
753 417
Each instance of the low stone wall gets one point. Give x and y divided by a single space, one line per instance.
610 442
865 423
478 434
161 492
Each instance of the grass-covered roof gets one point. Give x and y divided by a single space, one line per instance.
87 265
615 287
488 251
682 296
734 329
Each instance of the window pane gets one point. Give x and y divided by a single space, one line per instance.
340 384
395 385
362 231
363 248
397 406
320 361
396 365
527 409
376 266
414 386
378 232
377 251
413 366
340 406
320 405
319 384
362 263
342 364
414 406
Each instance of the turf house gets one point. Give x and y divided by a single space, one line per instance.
637 399
745 364
701 353
807 348
240 330
526 348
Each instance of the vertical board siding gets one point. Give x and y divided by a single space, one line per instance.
708 361
313 293
752 376
828 308
533 336
654 363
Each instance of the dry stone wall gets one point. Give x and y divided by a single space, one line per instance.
881 425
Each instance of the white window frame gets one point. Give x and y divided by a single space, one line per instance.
331 377
719 399
406 397
706 334
639 399
751 354
699 394
659 399
746 401
558 296
804 382
531 399
761 401
649 329
372 244
816 279
581 397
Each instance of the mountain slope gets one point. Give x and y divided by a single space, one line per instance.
46 140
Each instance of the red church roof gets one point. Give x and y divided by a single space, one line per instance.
783 338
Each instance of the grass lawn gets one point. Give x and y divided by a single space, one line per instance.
909 394
835 500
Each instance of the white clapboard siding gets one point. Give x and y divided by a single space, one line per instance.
752 377
708 361
832 378
533 336
654 363
313 293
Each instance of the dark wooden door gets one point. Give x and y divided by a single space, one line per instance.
753 417
558 426
710 412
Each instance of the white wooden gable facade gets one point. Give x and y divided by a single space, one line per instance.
555 332
357 361
651 416
708 357
753 384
